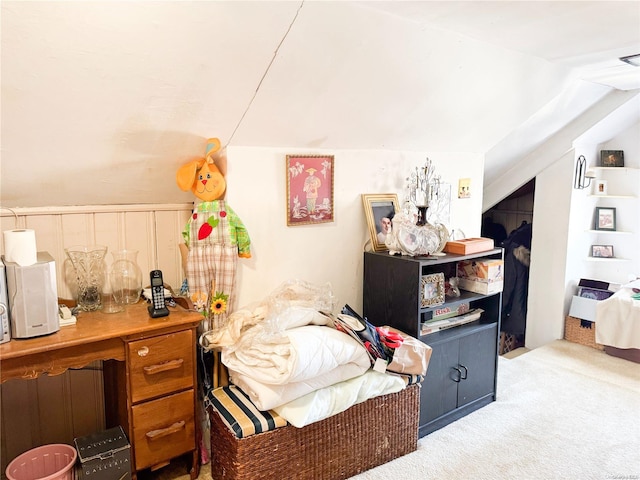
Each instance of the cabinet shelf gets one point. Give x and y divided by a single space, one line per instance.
462 371
453 302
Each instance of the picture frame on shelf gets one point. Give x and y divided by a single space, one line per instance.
309 189
602 251
594 293
600 187
605 219
432 290
379 210
611 158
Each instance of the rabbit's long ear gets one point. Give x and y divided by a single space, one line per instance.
186 174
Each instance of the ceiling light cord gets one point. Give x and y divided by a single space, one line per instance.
275 54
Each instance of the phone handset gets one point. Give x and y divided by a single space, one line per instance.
158 308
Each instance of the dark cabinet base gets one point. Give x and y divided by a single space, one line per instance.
462 371
462 378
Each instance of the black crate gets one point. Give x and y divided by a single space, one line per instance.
104 456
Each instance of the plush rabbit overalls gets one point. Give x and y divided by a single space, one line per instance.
216 237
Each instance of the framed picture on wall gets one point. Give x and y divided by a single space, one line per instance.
611 158
605 218
309 189
602 251
600 187
379 210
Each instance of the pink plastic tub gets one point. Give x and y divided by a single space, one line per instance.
48 462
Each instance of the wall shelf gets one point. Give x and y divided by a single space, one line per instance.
610 232
612 196
613 259
618 169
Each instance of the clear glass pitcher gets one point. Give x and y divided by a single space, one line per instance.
125 277
88 266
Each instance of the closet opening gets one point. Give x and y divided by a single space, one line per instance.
510 225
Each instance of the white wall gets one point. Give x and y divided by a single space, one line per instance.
329 252
561 241
619 182
549 252
256 190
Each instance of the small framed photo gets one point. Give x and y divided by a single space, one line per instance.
600 187
432 290
309 189
594 293
602 251
611 158
379 209
605 219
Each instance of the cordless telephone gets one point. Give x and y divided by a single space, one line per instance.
157 307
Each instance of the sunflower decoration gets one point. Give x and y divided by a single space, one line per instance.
219 303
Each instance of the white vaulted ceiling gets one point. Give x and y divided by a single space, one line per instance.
125 91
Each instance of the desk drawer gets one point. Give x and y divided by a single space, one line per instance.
163 429
161 365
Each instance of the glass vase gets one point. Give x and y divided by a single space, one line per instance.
125 277
88 266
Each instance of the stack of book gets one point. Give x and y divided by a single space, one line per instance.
438 323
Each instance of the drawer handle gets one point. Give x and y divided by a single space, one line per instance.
163 432
163 367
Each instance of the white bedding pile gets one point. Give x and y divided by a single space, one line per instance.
336 398
276 369
618 319
284 350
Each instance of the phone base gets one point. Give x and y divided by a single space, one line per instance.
160 312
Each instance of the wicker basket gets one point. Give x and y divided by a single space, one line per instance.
364 436
584 335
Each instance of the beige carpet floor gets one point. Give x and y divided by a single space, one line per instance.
564 411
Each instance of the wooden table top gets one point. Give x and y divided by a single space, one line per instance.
95 334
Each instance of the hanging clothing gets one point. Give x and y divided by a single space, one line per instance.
517 258
216 237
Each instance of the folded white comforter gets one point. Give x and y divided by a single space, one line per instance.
325 402
295 355
269 396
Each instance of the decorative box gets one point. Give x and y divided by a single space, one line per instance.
480 286
104 456
484 270
467 246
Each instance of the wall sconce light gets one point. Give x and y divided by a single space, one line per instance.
582 178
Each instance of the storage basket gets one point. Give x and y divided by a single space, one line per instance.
48 462
581 331
362 437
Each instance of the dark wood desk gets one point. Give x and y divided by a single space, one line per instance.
149 367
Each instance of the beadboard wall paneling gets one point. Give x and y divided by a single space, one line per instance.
153 230
53 409
60 408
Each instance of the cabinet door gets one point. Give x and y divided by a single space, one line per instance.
439 390
478 357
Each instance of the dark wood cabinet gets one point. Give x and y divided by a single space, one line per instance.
462 371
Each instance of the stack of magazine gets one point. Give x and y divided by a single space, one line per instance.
437 324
